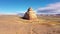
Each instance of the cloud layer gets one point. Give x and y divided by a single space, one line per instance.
50 9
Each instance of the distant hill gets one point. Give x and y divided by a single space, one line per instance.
21 14
49 15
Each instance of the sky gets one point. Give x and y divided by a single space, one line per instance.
21 6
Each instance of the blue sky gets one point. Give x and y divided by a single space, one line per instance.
20 6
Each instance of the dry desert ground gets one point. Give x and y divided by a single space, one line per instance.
12 24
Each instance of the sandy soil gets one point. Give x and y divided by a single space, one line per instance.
13 25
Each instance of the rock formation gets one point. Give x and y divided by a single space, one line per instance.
30 15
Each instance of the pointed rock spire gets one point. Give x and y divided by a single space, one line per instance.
30 9
30 14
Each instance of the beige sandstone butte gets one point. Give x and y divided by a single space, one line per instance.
30 14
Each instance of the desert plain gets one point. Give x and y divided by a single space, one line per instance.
14 24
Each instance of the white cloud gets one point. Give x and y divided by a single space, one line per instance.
50 8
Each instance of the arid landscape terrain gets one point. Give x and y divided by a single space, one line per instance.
29 16
13 24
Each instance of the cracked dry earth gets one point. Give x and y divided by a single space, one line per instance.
14 25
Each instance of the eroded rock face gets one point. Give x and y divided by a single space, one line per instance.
30 15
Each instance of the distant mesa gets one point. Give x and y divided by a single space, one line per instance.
30 14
